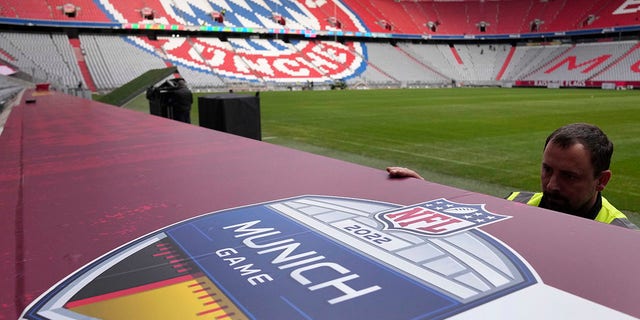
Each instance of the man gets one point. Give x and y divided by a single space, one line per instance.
575 170
181 100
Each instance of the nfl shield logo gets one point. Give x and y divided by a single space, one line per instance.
438 218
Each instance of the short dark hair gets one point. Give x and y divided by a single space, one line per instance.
591 137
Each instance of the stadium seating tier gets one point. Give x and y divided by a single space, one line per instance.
404 17
211 62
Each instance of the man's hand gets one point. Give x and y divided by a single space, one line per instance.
401 172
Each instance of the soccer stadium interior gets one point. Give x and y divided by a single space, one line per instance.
81 179
84 46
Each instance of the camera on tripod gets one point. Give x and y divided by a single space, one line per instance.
161 98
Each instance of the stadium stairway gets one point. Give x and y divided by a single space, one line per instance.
549 62
373 66
456 55
84 69
6 55
506 63
418 61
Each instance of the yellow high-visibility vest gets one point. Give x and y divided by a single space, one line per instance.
607 214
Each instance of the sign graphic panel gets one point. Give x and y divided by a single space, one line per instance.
310 257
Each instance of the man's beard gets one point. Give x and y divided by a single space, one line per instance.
557 202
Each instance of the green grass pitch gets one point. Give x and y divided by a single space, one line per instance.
487 140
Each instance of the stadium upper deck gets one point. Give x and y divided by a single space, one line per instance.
102 62
434 17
